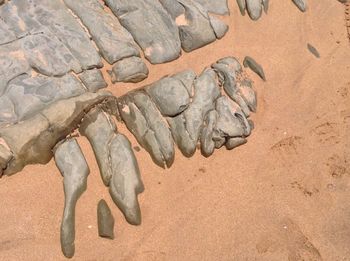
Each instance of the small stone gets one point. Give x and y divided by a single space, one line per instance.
105 220
313 50
254 66
132 69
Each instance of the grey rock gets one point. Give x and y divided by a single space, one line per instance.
31 141
313 50
117 162
131 69
12 64
112 39
46 54
231 121
242 6
187 78
151 26
7 111
74 169
219 27
6 36
301 4
93 80
254 8
207 142
266 5
105 220
235 142
32 94
54 15
254 66
170 96
194 24
143 119
186 128
215 6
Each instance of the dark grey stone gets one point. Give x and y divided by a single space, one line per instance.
112 39
131 69
74 169
301 4
242 6
254 8
148 126
313 50
151 26
170 96
235 142
117 162
93 80
105 220
254 66
215 6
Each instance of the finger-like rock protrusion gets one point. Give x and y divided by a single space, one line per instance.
254 8
219 27
116 161
301 4
170 96
143 119
151 27
131 69
93 80
207 142
254 66
242 6
74 169
265 5
105 220
194 23
186 127
215 6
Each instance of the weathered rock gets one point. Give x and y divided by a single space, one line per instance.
187 78
143 119
131 69
31 141
254 7
194 23
235 142
105 220
117 162
54 15
242 6
219 27
6 36
230 72
47 55
112 39
74 169
186 128
207 142
254 66
170 96
93 80
301 4
32 94
151 27
215 6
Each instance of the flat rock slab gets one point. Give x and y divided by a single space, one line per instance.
131 69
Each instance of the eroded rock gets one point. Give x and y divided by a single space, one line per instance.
93 80
105 220
132 69
74 169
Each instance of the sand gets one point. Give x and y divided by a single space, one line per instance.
282 196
